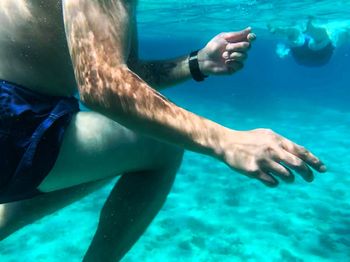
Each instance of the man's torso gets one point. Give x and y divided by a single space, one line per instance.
33 46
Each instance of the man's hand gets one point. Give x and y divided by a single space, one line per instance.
262 154
225 53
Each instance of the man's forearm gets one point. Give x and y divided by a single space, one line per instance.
163 73
131 102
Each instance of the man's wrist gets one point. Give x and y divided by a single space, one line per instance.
202 61
195 67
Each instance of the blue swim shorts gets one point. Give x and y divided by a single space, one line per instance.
32 126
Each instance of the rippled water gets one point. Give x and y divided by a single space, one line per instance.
192 16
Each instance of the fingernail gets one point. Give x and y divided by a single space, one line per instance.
323 168
251 37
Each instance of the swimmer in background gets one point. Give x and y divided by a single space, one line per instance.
313 47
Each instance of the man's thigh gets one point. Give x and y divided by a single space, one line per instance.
95 147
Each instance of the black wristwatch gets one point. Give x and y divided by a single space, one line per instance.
194 67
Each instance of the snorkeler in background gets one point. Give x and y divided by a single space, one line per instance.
52 153
312 47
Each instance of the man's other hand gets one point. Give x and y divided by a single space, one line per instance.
225 53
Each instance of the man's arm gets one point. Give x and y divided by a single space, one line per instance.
96 34
164 73
224 54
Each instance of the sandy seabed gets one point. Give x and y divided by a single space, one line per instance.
215 214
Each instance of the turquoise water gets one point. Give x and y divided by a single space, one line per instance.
213 213
193 18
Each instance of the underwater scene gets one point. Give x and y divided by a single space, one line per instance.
296 81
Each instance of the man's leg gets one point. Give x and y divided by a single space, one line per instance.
94 148
16 215
129 209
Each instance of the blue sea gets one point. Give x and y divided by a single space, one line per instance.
212 213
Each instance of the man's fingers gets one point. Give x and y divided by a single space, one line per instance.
267 179
279 170
233 65
296 164
237 36
238 47
304 155
237 56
